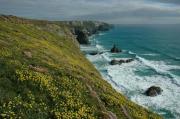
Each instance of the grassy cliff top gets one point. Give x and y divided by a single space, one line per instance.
43 74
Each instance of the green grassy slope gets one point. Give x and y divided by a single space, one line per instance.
43 74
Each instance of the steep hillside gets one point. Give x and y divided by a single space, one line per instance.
43 74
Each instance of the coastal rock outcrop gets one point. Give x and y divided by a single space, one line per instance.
115 49
153 91
82 37
104 27
83 29
115 62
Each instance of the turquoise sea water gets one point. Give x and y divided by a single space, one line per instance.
156 50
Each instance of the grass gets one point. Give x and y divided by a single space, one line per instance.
67 86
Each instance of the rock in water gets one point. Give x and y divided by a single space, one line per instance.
115 49
153 91
93 53
114 62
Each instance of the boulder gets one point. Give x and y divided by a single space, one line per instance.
153 91
115 49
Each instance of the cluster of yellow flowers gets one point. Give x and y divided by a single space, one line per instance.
66 95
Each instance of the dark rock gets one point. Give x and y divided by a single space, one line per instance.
83 29
129 60
115 49
101 53
115 62
122 61
104 27
82 37
93 53
153 91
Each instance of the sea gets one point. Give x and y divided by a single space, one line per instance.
156 53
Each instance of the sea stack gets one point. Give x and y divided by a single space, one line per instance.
115 49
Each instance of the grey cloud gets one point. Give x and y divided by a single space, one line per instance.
115 11
168 1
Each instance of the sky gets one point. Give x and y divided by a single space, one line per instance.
112 11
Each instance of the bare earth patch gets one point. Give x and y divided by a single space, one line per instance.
38 69
28 54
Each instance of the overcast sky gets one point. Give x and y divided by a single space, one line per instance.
113 11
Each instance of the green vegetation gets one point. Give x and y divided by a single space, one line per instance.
43 74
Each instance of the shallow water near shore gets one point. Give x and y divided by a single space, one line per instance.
156 50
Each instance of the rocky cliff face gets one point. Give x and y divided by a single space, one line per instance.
83 29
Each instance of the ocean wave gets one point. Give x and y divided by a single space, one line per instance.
150 54
100 47
161 68
125 79
133 86
162 53
101 34
132 53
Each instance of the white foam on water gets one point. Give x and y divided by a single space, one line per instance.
106 56
150 54
134 86
88 48
125 79
99 47
132 53
162 68
101 34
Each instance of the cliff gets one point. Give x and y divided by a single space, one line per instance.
43 74
83 29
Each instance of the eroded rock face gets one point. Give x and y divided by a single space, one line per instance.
83 29
153 91
115 49
82 37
